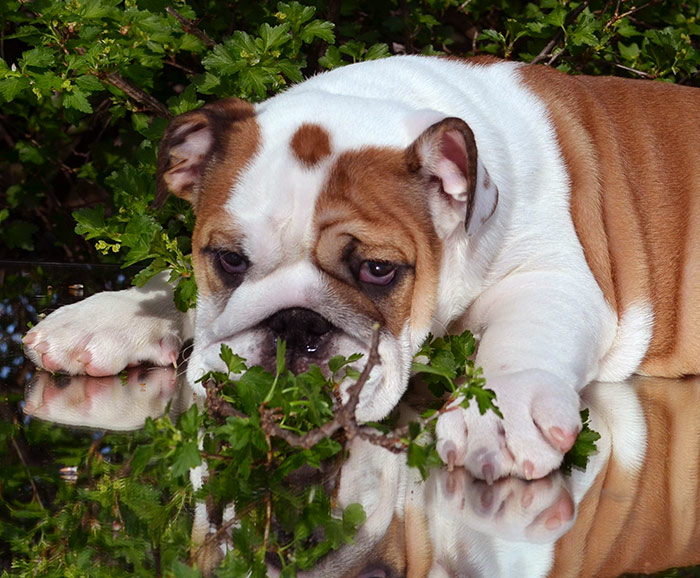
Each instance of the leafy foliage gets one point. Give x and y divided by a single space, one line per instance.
87 86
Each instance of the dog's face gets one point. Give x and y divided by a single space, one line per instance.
314 226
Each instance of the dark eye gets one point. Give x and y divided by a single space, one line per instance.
232 263
377 272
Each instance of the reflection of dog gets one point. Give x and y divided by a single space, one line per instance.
551 215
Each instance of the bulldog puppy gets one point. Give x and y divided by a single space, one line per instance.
554 216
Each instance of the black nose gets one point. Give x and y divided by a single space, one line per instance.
302 329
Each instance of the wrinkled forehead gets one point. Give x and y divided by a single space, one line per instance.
301 138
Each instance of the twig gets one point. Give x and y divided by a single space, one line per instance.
35 490
463 5
633 70
190 27
617 16
546 51
135 93
216 406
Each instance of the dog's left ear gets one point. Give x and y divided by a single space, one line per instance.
190 142
445 155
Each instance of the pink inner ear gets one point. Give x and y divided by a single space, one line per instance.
195 146
454 149
451 167
186 161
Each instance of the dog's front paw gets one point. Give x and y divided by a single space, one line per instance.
540 423
102 335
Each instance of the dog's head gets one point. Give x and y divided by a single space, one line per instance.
319 216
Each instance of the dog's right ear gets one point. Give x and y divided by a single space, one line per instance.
189 143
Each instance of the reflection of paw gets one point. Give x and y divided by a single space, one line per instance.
106 333
536 511
540 423
113 402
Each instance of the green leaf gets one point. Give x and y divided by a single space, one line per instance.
274 36
185 293
584 446
140 458
77 99
182 570
12 86
234 363
354 516
186 456
40 57
318 29
557 17
89 83
377 51
629 53
189 421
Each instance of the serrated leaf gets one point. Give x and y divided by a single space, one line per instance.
12 86
234 363
583 448
40 57
186 456
89 83
188 421
318 29
77 100
185 293
140 458
377 51
274 36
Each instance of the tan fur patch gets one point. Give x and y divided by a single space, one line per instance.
646 520
373 208
311 144
238 144
632 150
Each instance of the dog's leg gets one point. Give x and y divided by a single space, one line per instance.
542 337
111 330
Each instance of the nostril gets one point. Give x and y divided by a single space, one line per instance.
301 328
318 325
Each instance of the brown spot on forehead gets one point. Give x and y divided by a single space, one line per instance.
311 144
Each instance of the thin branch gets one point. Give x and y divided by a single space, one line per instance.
640 73
616 17
546 51
35 490
135 93
190 27
217 407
